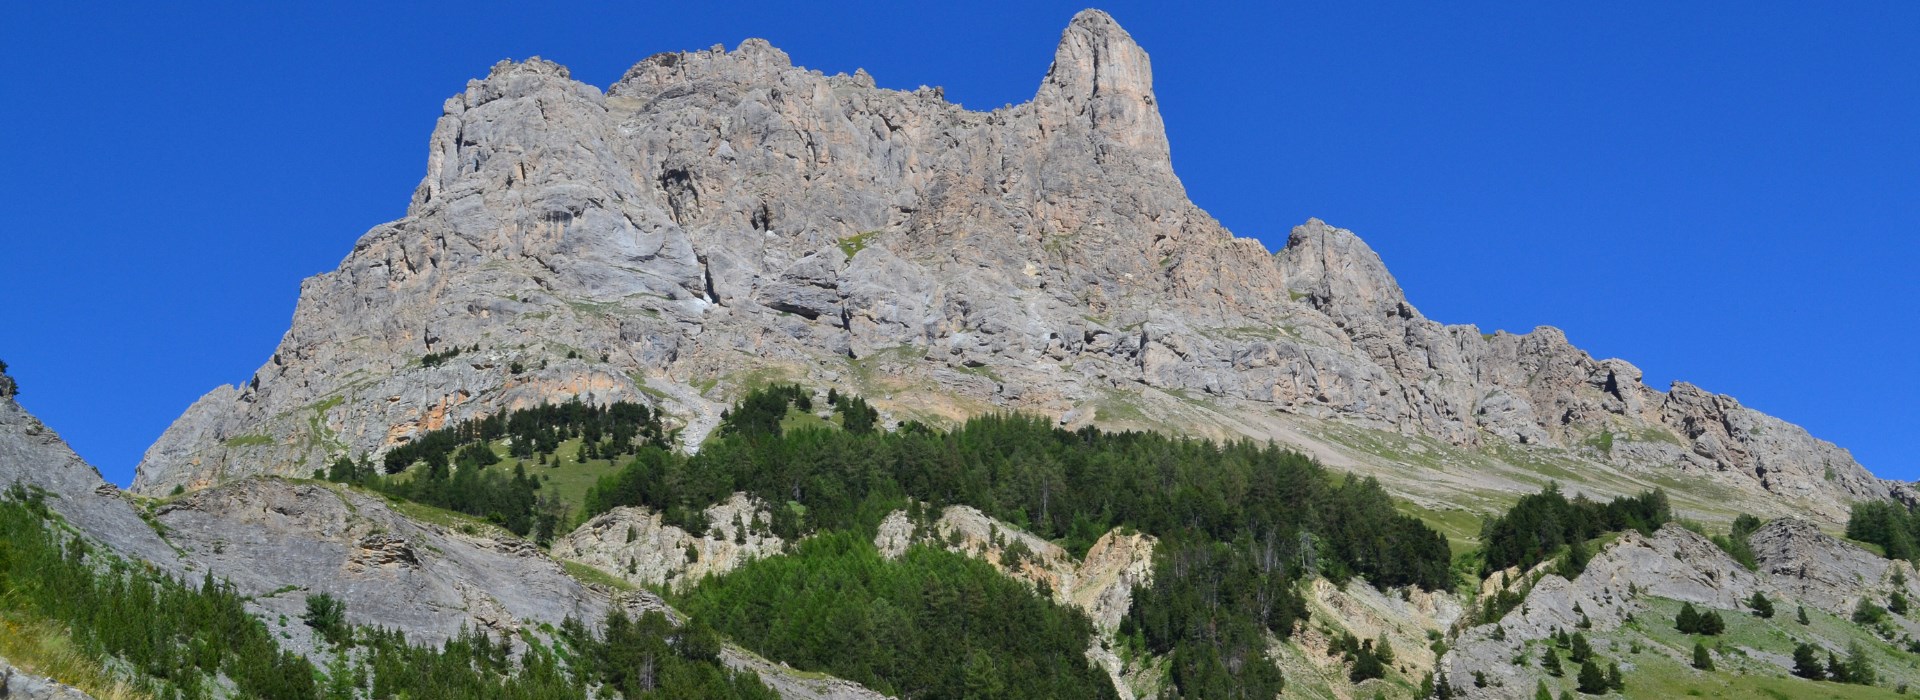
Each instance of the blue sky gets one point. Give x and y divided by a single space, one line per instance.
1726 193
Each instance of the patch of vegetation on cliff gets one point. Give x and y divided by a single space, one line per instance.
931 624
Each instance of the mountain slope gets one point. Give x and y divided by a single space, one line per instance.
715 219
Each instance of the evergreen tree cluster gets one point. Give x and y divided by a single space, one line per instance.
435 359
606 432
452 462
1538 525
1066 486
1208 610
1894 527
1856 668
931 624
1691 621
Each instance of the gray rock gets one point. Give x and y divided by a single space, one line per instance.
636 545
283 541
719 213
20 685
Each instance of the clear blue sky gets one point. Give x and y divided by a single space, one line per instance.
1726 193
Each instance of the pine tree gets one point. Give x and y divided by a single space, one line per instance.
1801 616
1806 663
1540 691
1366 666
1859 668
1614 679
1701 659
1593 681
1688 621
1550 662
1712 623
1762 607
1897 604
1582 651
327 616
1836 671
1866 613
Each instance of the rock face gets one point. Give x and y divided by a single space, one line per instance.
792 684
715 213
634 543
284 541
1823 571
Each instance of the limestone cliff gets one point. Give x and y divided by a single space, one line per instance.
716 216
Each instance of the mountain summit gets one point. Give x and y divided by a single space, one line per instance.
717 219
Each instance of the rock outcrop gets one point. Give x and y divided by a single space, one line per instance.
282 541
1824 572
716 213
1101 584
16 684
636 545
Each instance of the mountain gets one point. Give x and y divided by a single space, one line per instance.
631 342
720 218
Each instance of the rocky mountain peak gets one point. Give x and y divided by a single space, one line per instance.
1102 81
716 214
1334 271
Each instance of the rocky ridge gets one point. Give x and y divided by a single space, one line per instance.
715 216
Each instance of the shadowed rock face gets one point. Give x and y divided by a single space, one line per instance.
714 211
